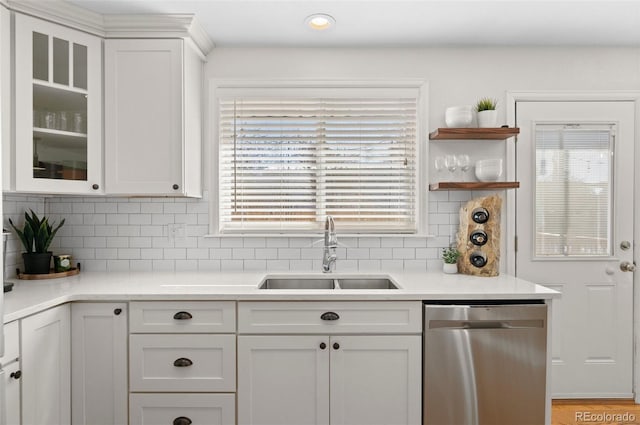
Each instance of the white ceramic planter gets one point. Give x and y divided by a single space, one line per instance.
450 268
488 119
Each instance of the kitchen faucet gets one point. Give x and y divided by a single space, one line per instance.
330 244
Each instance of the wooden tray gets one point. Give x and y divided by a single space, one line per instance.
51 275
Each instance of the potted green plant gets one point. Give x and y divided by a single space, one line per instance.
450 257
36 236
487 114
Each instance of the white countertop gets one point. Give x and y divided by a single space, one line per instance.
31 296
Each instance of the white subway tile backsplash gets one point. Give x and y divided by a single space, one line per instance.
108 233
175 208
151 208
116 242
151 253
128 208
138 219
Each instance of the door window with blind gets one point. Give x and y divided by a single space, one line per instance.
286 161
573 202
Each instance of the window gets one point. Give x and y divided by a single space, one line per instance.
289 157
573 190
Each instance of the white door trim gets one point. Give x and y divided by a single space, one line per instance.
613 95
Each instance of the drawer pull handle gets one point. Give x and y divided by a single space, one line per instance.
182 420
329 315
182 362
182 315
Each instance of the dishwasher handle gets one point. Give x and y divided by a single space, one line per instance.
485 324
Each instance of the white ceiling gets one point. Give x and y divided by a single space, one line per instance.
376 23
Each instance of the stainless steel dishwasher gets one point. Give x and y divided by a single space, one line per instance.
485 364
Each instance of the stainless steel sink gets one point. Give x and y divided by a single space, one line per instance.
298 283
293 282
366 283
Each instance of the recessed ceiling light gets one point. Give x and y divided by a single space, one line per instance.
320 21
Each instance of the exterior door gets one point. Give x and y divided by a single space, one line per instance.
574 225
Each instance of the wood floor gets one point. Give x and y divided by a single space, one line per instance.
595 412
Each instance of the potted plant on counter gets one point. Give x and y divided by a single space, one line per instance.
487 114
36 236
450 257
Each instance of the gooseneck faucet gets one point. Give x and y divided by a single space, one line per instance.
330 244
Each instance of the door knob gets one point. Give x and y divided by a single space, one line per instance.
626 266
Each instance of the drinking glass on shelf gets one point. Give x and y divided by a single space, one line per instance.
50 120
451 162
439 166
464 163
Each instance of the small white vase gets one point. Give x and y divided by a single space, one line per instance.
450 268
488 118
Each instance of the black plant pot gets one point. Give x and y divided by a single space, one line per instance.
37 262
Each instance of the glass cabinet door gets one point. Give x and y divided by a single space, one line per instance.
59 149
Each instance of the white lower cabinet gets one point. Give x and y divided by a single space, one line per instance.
182 362
46 373
99 368
283 380
190 362
182 409
336 379
12 375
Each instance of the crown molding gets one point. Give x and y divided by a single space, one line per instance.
61 12
116 26
160 25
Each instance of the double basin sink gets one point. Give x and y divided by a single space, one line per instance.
333 283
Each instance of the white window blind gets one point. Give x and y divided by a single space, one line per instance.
285 163
574 165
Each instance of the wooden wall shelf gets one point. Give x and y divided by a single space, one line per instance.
473 133
473 185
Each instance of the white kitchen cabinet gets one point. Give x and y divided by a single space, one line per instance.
191 362
182 409
58 107
371 378
99 367
153 120
5 98
12 373
46 374
376 380
283 380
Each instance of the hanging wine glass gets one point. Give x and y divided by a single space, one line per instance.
450 161
440 167
464 163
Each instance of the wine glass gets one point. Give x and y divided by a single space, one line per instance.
464 163
439 166
450 161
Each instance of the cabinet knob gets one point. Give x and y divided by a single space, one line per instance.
323 345
16 375
117 311
182 362
329 315
182 420
336 345
176 187
95 187
183 315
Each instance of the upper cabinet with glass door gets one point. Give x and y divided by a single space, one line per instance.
58 146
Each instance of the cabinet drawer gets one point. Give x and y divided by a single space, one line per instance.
11 342
350 317
210 409
182 316
174 363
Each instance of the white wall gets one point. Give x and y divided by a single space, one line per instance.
131 234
